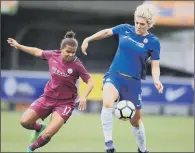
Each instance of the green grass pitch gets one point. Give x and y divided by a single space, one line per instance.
83 133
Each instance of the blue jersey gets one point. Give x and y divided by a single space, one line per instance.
133 51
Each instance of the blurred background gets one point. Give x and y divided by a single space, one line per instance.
168 117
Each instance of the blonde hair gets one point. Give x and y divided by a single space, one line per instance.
147 11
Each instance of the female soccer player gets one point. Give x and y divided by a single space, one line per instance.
123 80
60 92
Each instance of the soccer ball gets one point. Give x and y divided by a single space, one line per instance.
125 110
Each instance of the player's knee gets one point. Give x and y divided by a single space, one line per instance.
108 101
135 122
110 94
25 123
108 104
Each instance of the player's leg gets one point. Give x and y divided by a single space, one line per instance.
28 120
59 116
132 91
139 131
110 95
32 114
134 94
42 107
53 127
36 110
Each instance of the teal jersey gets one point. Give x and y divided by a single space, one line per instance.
133 51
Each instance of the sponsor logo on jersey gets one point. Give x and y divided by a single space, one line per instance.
137 43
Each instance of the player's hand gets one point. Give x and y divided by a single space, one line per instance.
84 46
82 103
159 86
13 42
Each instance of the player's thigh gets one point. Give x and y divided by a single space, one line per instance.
110 94
65 109
132 91
54 125
43 106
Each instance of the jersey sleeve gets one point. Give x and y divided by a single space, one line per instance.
46 54
85 76
155 53
118 29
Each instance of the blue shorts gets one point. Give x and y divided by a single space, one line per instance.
128 88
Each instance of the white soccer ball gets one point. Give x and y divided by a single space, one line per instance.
125 110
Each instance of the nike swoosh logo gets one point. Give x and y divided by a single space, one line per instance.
127 32
172 94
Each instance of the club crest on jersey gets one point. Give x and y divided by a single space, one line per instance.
145 40
69 71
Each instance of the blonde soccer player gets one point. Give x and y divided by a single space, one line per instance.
128 68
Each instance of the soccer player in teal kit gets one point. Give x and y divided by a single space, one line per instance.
60 92
123 80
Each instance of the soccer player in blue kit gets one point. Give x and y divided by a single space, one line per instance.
123 80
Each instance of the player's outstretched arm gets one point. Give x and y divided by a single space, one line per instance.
31 50
83 97
97 36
